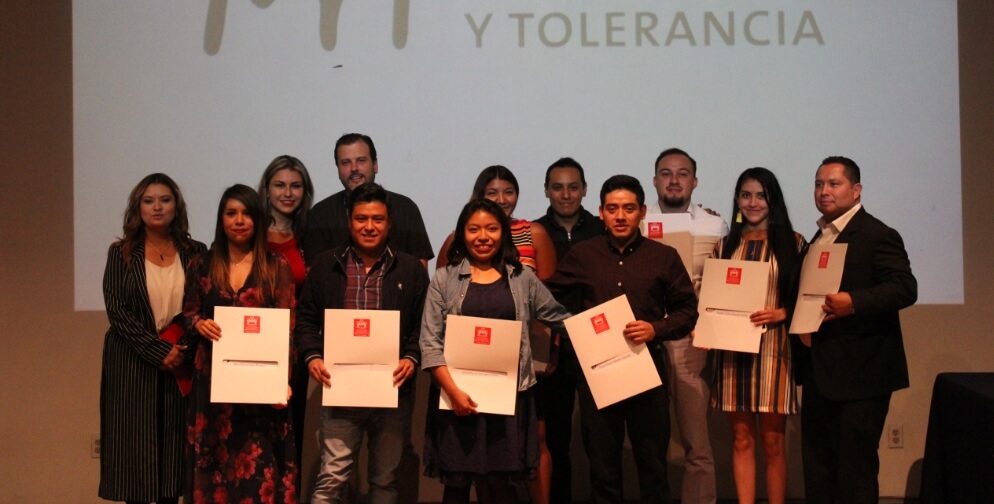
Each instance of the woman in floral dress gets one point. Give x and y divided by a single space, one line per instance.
241 453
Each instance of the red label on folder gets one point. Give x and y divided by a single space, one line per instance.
482 336
600 323
360 327
734 276
655 230
252 324
823 260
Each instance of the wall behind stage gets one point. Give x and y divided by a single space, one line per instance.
50 357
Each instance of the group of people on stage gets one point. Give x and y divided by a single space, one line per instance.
367 248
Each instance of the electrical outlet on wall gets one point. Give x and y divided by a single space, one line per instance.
895 436
94 445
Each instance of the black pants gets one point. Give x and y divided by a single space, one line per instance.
558 398
839 442
646 417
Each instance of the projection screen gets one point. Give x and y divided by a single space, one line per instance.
210 92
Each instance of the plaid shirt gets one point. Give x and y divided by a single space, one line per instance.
363 290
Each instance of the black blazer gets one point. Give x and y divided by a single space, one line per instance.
142 413
862 355
127 305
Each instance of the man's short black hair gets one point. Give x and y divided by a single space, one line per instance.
565 162
849 166
368 193
351 138
675 150
626 182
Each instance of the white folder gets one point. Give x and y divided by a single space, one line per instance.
673 229
615 368
482 357
821 274
361 351
731 290
250 363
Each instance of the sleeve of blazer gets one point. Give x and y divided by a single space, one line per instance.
124 307
415 306
893 285
310 311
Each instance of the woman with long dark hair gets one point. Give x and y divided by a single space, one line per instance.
759 388
484 278
239 451
142 408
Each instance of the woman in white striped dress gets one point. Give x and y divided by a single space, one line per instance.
142 408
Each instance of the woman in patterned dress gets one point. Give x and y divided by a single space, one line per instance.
241 453
759 388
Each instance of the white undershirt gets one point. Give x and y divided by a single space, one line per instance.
165 291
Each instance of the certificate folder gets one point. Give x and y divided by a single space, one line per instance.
673 230
482 357
251 361
821 274
361 349
615 368
731 290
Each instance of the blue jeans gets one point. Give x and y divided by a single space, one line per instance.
342 430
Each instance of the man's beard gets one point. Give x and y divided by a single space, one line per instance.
678 202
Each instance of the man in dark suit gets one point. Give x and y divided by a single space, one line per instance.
857 356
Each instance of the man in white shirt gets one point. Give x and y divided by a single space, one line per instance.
675 180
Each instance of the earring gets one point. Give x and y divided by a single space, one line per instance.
738 217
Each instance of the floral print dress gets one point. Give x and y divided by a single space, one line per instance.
239 453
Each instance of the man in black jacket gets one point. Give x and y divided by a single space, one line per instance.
857 356
364 274
567 223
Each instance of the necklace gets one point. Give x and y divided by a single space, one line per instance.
157 249
282 229
237 264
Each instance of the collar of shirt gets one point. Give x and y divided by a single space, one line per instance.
364 290
383 262
628 249
831 230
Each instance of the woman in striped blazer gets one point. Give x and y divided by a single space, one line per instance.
142 407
